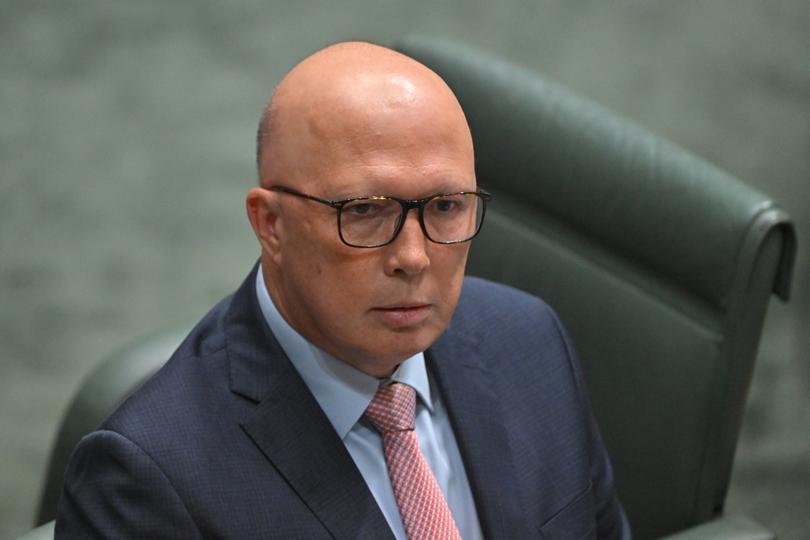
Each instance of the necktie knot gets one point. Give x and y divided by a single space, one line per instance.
393 408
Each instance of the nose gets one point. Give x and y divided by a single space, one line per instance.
407 254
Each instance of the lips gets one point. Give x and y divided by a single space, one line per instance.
404 305
403 315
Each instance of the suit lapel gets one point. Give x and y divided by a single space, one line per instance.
466 387
291 429
309 454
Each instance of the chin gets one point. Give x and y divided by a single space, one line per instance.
406 344
385 348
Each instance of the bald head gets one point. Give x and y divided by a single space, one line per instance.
357 120
351 96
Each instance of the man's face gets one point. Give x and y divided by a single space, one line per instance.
372 307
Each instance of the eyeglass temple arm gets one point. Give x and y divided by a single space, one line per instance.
333 204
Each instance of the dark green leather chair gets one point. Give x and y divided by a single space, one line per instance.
99 395
660 265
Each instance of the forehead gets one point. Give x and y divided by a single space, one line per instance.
415 175
412 149
376 124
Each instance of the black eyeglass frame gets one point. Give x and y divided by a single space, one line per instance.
406 204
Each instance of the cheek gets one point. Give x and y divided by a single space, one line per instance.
345 282
449 266
317 254
455 279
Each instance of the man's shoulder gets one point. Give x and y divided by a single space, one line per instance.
189 382
502 320
489 301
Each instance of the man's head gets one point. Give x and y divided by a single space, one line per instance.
352 120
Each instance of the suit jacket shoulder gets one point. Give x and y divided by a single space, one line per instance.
507 360
227 441
224 441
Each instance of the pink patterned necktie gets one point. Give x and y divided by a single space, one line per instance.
424 511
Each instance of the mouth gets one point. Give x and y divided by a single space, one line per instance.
402 315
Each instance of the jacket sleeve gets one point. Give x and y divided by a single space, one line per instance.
113 489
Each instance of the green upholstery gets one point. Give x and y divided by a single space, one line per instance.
660 265
98 396
736 527
43 532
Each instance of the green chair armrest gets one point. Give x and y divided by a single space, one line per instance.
101 392
725 528
43 532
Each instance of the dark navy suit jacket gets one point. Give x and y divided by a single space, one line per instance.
226 441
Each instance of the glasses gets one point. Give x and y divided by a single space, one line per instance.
369 222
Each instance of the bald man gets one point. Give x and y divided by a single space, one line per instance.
357 385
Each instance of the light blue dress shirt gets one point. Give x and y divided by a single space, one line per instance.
344 393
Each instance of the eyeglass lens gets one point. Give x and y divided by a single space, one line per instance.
447 219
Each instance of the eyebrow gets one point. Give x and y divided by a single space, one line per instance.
389 196
443 187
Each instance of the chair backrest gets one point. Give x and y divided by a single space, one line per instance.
100 393
659 264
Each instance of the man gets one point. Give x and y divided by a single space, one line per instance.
357 385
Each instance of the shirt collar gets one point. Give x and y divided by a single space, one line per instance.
342 391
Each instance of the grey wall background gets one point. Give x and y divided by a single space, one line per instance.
126 147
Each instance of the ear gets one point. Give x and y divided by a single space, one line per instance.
263 213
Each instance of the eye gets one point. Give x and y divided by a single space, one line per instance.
366 208
448 204
359 209
445 205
